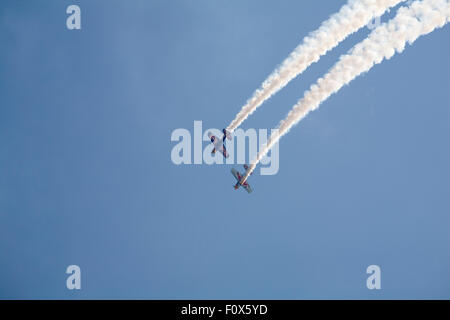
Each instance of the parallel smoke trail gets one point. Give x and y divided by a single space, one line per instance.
421 18
350 18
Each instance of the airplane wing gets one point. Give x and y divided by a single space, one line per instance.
235 173
248 188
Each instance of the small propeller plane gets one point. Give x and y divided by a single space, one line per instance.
220 144
239 177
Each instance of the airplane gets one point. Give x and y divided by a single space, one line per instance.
220 144
239 178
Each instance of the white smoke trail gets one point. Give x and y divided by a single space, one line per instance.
350 18
421 18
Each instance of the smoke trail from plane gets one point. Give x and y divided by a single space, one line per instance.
350 18
420 18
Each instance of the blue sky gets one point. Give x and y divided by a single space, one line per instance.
86 176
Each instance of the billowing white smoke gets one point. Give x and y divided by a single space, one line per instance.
350 18
421 18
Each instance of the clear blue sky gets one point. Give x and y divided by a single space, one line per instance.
86 176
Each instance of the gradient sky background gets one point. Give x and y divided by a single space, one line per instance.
86 176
